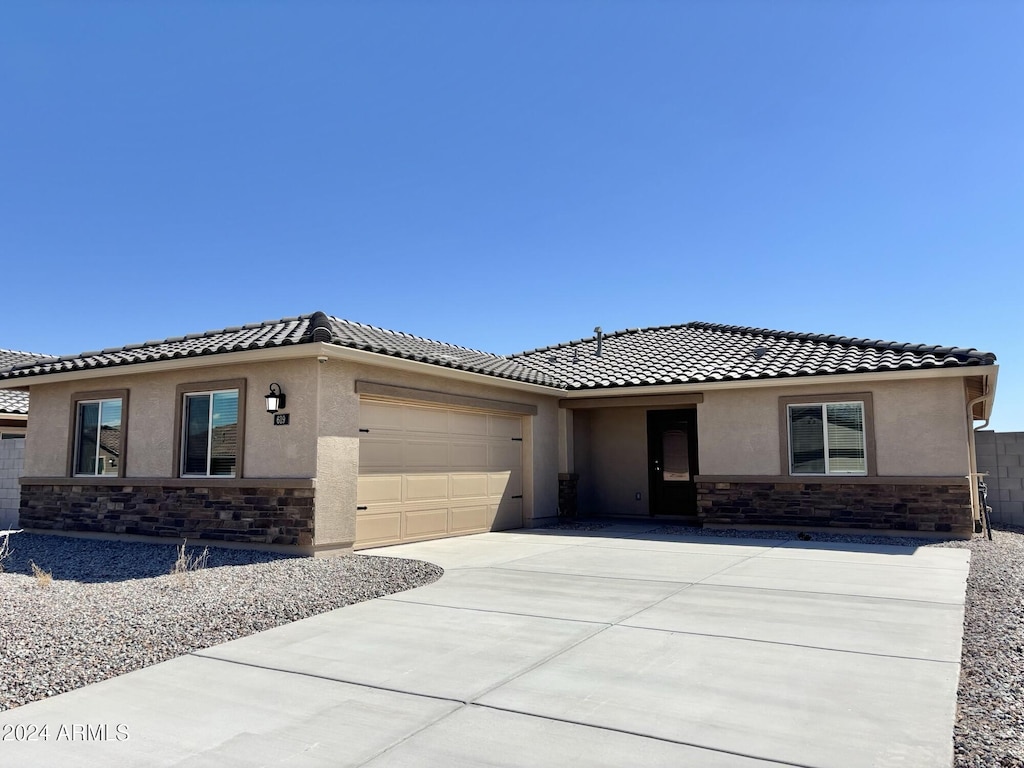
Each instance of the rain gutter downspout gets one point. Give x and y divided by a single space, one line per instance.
972 453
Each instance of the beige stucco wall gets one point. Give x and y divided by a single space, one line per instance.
284 451
338 442
321 442
613 465
920 427
920 431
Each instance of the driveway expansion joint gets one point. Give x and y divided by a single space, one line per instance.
360 684
826 649
766 760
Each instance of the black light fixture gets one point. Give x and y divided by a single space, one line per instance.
275 398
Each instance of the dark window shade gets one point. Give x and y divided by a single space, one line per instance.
88 438
197 433
806 439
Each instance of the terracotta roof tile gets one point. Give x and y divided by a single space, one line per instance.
707 352
12 401
285 332
675 354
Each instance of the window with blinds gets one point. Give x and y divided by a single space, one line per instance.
98 437
827 439
210 434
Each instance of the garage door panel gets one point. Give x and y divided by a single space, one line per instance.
465 423
501 455
470 485
426 487
426 453
379 489
421 523
473 518
431 472
381 416
469 455
500 484
426 420
375 453
379 529
505 426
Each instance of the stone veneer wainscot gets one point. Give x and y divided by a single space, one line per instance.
254 514
922 505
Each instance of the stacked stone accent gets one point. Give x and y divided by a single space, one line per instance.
1001 455
903 507
568 494
12 459
255 515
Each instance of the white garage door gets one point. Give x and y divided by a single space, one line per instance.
428 472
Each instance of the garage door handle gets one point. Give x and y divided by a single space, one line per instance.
364 430
518 497
360 508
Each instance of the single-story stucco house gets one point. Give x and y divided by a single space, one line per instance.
384 437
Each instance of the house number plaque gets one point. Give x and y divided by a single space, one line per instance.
280 419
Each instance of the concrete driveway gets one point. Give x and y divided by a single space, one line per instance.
552 648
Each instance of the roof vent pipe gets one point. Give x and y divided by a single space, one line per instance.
600 337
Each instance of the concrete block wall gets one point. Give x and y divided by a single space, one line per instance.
12 461
1001 454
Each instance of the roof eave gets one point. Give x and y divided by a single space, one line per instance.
991 373
365 357
789 381
285 352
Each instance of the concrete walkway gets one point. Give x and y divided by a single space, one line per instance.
552 648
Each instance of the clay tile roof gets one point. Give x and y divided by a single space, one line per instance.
316 327
672 354
12 401
699 352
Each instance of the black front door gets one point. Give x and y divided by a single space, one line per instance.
672 453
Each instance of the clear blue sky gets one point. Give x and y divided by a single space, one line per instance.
505 175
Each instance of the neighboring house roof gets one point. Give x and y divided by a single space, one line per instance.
12 401
280 333
110 440
708 352
676 354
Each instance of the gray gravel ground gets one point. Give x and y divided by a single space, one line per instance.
989 731
112 607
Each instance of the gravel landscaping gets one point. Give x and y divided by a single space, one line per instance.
113 607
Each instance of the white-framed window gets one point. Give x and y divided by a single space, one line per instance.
98 437
827 438
210 433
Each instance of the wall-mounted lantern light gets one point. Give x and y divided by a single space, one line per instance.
275 398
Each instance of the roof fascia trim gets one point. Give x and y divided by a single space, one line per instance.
336 352
789 381
990 397
288 352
